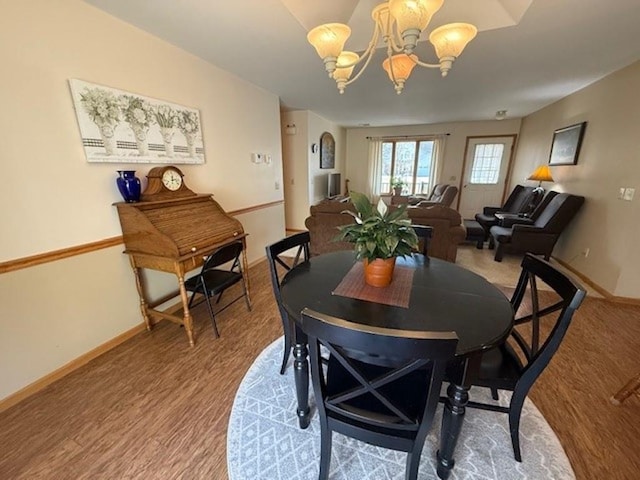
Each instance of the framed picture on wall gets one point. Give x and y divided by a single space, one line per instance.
327 151
566 143
122 127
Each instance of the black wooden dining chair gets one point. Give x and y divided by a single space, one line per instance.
380 385
517 364
212 281
423 232
278 260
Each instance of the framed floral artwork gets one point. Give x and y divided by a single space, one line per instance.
327 151
122 127
566 144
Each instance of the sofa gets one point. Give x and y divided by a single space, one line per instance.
326 217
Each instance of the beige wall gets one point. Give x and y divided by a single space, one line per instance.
51 314
609 159
451 168
305 182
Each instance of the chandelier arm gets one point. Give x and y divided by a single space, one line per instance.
393 75
394 40
362 69
427 65
369 51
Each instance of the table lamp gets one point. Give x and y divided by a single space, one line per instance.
541 174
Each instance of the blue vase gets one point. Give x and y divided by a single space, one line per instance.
129 185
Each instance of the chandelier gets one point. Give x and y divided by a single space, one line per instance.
399 23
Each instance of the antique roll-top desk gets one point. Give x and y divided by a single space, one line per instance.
173 230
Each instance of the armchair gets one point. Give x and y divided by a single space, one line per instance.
541 236
522 200
441 194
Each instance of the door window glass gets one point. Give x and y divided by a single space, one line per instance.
487 158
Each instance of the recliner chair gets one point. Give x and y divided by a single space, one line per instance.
522 200
541 236
441 194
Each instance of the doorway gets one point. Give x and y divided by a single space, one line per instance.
486 167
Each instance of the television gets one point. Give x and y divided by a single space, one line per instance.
333 185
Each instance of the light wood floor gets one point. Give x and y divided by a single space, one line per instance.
154 408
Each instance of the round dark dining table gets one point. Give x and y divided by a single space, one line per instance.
443 297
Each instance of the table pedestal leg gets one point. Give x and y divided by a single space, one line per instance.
452 417
301 376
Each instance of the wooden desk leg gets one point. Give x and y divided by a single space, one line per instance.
301 376
452 418
245 270
188 323
140 288
625 392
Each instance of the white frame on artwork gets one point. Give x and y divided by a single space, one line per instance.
121 127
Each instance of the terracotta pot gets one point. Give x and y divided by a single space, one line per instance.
379 272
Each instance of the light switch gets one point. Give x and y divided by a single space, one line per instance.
621 193
629 193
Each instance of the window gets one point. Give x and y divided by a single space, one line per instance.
486 163
411 161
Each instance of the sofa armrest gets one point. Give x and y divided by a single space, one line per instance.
515 220
427 203
490 210
533 239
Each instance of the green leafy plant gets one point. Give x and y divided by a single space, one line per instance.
397 182
378 232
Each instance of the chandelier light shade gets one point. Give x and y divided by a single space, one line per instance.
413 16
399 67
399 23
541 174
449 42
329 40
342 74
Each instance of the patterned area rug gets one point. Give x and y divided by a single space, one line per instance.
265 443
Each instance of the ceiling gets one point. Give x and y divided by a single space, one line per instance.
527 54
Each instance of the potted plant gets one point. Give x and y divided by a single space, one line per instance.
396 185
380 236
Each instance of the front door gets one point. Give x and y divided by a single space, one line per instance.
485 174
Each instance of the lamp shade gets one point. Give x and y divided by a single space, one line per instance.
402 64
329 39
541 174
345 58
413 14
449 40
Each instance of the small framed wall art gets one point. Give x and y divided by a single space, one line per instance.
566 144
327 151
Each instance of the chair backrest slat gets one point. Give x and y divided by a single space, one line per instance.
275 257
373 361
538 351
224 255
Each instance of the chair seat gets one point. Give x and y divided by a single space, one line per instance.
499 368
221 279
501 234
486 219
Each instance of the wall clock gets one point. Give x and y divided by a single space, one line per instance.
165 183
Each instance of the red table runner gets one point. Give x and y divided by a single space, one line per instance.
396 294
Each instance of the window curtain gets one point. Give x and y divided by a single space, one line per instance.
375 169
438 154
